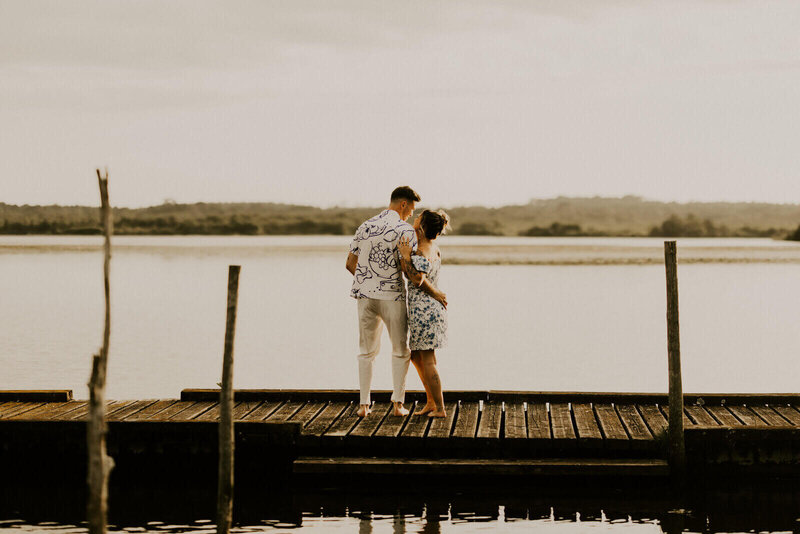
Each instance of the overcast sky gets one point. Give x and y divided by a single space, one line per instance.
337 102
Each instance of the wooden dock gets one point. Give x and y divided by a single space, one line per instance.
485 433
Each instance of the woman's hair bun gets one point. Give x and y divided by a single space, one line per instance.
434 223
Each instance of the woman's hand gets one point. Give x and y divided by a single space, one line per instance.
404 247
441 297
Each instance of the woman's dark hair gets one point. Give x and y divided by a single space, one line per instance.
434 223
404 193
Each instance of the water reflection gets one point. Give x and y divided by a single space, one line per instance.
767 506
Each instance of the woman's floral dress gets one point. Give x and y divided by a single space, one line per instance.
427 318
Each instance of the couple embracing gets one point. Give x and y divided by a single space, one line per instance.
385 251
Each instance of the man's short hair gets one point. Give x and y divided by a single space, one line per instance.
405 193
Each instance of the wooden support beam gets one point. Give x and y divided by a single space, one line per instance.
100 464
226 438
677 446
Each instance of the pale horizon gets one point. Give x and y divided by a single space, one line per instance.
422 203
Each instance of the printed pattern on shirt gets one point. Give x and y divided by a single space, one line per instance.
378 273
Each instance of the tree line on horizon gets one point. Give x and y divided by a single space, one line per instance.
558 217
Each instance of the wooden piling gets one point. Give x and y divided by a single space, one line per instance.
226 438
677 447
100 464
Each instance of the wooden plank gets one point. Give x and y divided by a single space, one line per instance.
769 415
36 412
51 411
285 412
700 416
345 423
538 421
321 395
586 423
746 416
307 413
441 427
239 408
168 412
80 413
151 410
722 415
789 413
561 419
15 408
325 419
417 425
130 409
466 423
264 410
611 397
491 420
35 395
515 421
193 411
117 406
654 418
471 467
369 424
610 424
634 424
392 426
687 422
243 408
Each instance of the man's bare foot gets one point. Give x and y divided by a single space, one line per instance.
364 410
425 409
399 410
437 413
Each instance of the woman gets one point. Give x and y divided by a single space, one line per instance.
427 306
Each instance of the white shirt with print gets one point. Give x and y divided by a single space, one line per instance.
378 274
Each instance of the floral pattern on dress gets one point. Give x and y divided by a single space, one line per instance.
427 317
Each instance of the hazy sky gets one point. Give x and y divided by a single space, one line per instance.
336 102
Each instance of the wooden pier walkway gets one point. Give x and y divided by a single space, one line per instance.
488 432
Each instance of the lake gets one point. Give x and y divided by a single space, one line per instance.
583 314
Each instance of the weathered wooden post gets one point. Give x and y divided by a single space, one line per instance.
677 447
226 437
100 464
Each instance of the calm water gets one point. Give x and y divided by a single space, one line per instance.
539 508
525 313
542 325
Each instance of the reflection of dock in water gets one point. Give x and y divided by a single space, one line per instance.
316 432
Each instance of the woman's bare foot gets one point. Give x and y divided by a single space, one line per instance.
437 413
425 409
363 410
399 410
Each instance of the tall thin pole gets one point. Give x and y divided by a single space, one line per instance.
100 464
226 438
677 447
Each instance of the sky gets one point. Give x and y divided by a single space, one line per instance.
336 102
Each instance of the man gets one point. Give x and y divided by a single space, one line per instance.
380 290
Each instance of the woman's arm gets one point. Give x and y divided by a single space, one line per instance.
428 288
417 278
413 275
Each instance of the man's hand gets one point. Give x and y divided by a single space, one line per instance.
404 247
352 262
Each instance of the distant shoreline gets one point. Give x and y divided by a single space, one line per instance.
558 217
